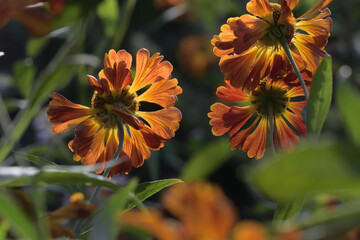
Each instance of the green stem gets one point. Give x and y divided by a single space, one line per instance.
79 224
271 123
120 33
296 69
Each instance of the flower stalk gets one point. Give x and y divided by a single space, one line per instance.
271 135
296 69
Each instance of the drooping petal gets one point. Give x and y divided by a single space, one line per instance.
65 114
97 148
238 138
223 43
230 94
128 118
286 136
317 9
123 76
296 120
216 119
236 117
149 70
259 8
94 83
255 143
162 92
163 122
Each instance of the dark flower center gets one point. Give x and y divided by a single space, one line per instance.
267 97
122 100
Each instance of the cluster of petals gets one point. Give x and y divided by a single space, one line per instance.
250 48
248 122
117 97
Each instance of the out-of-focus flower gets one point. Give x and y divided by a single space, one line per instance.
272 102
249 45
195 55
116 97
77 208
32 14
202 210
249 230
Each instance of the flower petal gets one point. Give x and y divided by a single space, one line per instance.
66 114
149 70
216 119
259 8
255 143
162 92
128 118
163 122
116 57
317 9
286 136
230 94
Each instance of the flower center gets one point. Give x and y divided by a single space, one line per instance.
275 31
122 100
269 97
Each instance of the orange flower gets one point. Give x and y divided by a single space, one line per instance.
248 126
250 48
202 210
116 96
249 230
37 20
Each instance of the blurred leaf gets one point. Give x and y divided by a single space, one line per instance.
4 228
147 189
108 12
320 97
207 160
312 167
106 221
24 74
12 213
286 212
34 45
348 103
19 176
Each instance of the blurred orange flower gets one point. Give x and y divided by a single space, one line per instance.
249 45
249 126
77 208
202 210
31 14
116 97
195 55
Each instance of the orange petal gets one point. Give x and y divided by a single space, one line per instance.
223 43
216 119
287 137
95 84
123 76
135 147
296 120
230 94
116 57
236 117
162 92
259 8
149 70
97 148
66 114
238 138
123 165
163 122
317 9
255 143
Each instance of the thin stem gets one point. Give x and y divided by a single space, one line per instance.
79 223
296 69
271 123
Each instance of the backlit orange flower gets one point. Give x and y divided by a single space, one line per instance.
249 45
249 125
117 96
35 18
202 210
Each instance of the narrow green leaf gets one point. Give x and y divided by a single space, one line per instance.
348 103
4 228
19 176
12 213
312 167
207 160
108 12
24 74
106 224
147 189
320 97
286 212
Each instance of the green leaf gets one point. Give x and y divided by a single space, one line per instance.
312 167
348 103
19 176
4 228
12 213
106 221
207 160
286 212
24 74
320 97
147 189
108 12
34 45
